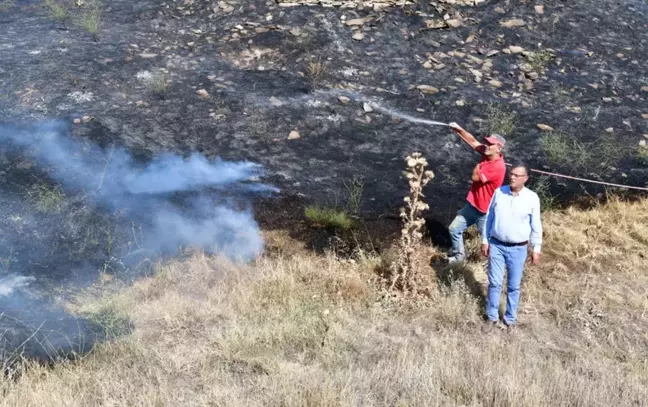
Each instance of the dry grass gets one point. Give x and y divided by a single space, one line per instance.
314 330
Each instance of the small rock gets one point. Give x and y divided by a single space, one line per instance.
495 83
642 143
610 130
358 36
367 108
344 100
532 75
607 100
492 52
146 55
202 93
357 21
76 121
293 135
430 90
296 32
460 103
427 64
545 127
85 119
516 22
435 24
644 115
275 102
454 23
500 10
516 49
526 68
539 9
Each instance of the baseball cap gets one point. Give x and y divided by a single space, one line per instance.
496 139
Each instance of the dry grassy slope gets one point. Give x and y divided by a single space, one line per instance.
308 330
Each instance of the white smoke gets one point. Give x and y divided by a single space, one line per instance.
113 177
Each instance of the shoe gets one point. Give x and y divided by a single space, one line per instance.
455 259
510 328
488 326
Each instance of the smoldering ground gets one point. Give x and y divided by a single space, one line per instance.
73 210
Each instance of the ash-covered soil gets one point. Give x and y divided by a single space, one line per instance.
286 85
577 66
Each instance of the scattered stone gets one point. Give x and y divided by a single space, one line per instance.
358 21
607 100
344 100
516 22
427 89
202 93
642 143
533 75
275 102
427 64
76 121
358 36
539 9
492 52
500 10
296 32
147 55
545 127
644 115
439 66
454 23
495 83
516 49
435 24
610 130
293 135
644 88
85 119
526 67
366 107
460 103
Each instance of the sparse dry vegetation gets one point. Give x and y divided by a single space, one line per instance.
90 19
539 60
500 120
316 330
406 268
328 217
6 4
47 198
56 10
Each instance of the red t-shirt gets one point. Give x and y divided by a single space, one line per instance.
491 175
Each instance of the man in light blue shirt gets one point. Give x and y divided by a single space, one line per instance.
512 222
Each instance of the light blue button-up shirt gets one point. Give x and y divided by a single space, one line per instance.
514 218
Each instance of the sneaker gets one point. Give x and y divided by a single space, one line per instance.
455 259
510 328
488 326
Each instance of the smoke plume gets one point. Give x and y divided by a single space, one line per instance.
113 177
177 202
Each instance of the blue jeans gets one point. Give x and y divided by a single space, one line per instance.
499 257
466 217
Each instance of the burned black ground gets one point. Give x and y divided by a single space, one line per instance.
267 70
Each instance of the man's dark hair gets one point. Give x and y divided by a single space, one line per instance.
521 164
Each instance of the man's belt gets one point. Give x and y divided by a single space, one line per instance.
509 244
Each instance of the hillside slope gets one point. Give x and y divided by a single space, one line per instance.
306 330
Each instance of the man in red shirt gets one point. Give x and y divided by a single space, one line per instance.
487 176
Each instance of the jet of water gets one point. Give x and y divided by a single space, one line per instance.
404 116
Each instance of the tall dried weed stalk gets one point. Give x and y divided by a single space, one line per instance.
406 269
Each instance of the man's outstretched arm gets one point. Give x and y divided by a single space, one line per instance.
465 135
